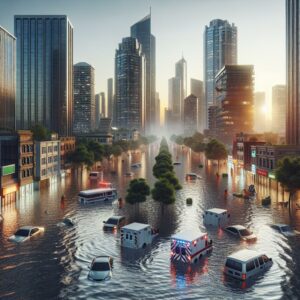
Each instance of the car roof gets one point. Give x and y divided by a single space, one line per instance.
188 236
116 217
28 227
101 259
100 190
244 255
136 226
238 227
280 225
217 211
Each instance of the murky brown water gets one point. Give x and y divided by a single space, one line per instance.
56 264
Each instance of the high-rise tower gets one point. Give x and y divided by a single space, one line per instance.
220 48
44 72
142 32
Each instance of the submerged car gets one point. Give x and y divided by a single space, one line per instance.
285 229
100 268
68 222
241 232
114 222
25 233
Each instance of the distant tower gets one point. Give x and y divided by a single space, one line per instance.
260 118
84 98
197 90
110 98
181 73
129 85
142 32
103 105
44 72
279 109
220 48
293 72
7 79
190 119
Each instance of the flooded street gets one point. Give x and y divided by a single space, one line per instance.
55 265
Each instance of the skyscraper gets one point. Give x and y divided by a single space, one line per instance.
142 32
197 90
157 107
190 115
293 72
234 85
129 85
279 109
103 104
220 48
110 98
44 72
174 97
84 98
7 79
97 109
181 73
260 118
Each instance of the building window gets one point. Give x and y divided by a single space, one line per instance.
50 149
44 150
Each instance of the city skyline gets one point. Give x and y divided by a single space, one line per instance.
269 69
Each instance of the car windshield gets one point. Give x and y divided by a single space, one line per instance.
100 266
112 221
286 228
22 232
245 232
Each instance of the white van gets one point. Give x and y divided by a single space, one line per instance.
95 175
245 264
136 235
216 217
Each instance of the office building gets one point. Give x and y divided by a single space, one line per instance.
234 85
97 109
197 90
279 109
84 98
181 74
260 117
110 98
129 85
190 115
7 79
67 146
103 104
142 32
157 107
174 97
220 48
44 72
293 72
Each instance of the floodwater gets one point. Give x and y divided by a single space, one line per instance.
55 265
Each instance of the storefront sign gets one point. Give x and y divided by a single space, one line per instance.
9 169
262 172
272 176
253 169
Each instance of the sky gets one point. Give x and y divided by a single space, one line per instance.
178 25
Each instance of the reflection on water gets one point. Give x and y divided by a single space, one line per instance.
56 264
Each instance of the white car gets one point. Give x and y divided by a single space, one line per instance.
25 233
100 268
285 229
242 232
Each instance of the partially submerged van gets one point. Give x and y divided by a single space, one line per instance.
137 235
245 264
216 217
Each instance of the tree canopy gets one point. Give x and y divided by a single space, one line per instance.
40 133
163 192
215 150
138 191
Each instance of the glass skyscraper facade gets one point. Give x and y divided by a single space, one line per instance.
142 32
129 85
279 109
181 73
84 98
44 72
197 90
293 72
110 98
7 79
220 48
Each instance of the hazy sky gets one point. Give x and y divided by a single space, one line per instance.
99 25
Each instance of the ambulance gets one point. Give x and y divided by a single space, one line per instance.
190 247
216 217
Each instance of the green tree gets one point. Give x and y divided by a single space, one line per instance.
81 156
162 167
107 151
116 150
40 133
170 176
96 148
138 191
215 150
163 192
288 174
179 140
